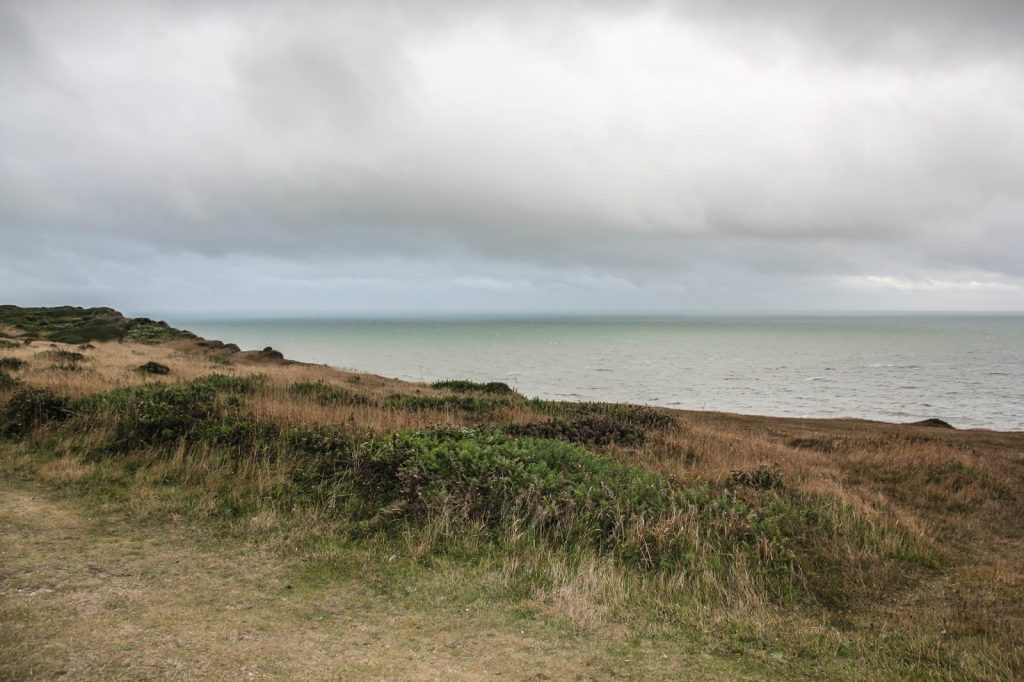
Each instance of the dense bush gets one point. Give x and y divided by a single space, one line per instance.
761 478
590 429
559 490
208 409
12 363
147 331
29 407
466 403
63 359
465 386
325 394
157 413
153 367
224 383
6 380
634 416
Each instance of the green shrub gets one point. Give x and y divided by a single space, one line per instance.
6 344
145 330
91 332
465 403
589 429
29 407
325 394
465 386
63 359
62 356
12 363
761 478
560 491
6 380
633 416
156 413
224 383
153 367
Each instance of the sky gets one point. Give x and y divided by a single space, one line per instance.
390 157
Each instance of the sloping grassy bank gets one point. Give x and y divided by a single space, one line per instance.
852 551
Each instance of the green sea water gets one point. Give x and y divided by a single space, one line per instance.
966 369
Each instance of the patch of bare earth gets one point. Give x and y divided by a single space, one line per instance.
98 598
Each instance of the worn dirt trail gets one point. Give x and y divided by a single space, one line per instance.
100 598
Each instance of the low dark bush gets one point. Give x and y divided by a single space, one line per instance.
149 331
224 383
30 407
12 363
152 367
63 359
561 491
7 344
635 416
591 429
6 380
465 386
761 478
156 413
325 394
471 404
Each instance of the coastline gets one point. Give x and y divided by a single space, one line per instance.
646 542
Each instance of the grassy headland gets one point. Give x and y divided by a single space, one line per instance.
652 543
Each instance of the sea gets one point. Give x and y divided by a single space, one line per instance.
967 369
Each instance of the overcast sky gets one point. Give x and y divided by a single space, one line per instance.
432 157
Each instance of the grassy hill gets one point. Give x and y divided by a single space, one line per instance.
69 324
651 543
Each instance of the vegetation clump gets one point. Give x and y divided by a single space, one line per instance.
153 367
6 380
12 363
558 490
465 386
7 344
152 414
513 489
587 429
470 404
761 478
63 359
29 407
636 416
226 383
325 394
934 423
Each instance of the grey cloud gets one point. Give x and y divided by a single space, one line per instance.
680 143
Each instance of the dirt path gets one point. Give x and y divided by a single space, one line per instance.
88 598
